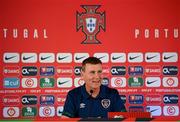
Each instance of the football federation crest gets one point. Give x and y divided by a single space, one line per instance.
105 103
90 22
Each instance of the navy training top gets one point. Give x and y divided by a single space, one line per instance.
79 104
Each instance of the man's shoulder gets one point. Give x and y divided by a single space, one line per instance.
75 91
110 90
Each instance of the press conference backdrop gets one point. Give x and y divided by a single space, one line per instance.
44 42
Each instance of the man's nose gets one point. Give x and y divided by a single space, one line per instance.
97 75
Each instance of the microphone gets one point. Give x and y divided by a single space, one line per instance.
91 92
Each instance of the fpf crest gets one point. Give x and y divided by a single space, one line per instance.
90 21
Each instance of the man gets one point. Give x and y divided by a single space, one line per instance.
92 99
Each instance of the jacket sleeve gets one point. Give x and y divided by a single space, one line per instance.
69 106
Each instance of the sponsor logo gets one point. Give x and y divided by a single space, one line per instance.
104 57
170 70
170 81
64 71
153 81
47 82
29 57
61 99
153 70
79 57
170 57
136 99
105 82
29 82
155 110
29 71
11 71
90 22
170 99
153 99
46 57
77 70
11 82
118 57
64 57
9 112
11 100
29 100
135 82
118 70
118 82
135 70
47 111
152 57
47 71
60 110
64 82
171 110
78 82
136 109
11 57
135 57
29 111
47 100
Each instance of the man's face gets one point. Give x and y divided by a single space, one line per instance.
92 75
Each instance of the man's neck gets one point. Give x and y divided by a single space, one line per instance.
95 92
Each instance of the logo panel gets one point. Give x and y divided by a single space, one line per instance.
64 82
46 57
135 82
152 57
170 70
104 57
118 57
11 71
153 81
170 81
79 57
47 82
170 99
118 70
29 100
29 71
11 112
118 82
64 58
11 58
47 111
64 71
11 82
171 111
29 82
11 100
155 110
136 99
29 57
47 71
47 100
135 70
170 57
135 57
153 70
29 111
153 99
